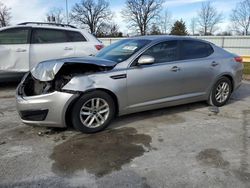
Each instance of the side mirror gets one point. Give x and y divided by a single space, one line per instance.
146 60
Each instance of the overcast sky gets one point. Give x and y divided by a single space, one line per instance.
35 10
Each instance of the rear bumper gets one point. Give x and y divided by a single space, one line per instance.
238 77
44 110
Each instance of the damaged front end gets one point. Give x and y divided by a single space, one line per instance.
52 76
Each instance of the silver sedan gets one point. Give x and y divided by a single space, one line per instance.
132 75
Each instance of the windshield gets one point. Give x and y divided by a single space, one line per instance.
122 50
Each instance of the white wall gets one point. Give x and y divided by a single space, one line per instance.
236 44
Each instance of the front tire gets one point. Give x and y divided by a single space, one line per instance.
221 92
93 112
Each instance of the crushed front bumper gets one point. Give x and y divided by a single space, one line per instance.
46 109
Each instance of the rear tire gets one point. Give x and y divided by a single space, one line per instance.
221 92
93 112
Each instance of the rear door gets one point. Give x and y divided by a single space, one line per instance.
14 49
198 66
82 45
49 44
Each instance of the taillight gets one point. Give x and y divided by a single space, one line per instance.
238 59
99 47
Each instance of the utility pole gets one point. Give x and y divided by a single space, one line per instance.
67 13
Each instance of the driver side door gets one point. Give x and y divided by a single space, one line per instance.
159 82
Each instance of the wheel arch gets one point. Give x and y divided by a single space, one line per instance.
227 75
230 77
70 106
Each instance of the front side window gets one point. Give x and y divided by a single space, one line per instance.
195 49
14 36
164 52
122 50
48 36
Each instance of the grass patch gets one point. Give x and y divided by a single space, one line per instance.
247 68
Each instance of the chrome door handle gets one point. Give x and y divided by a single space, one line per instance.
68 48
21 50
175 69
214 64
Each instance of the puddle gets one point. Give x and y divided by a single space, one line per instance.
160 139
212 157
99 153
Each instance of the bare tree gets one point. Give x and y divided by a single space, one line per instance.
240 17
114 29
193 26
102 30
108 30
166 22
55 15
208 18
224 33
4 15
140 14
91 13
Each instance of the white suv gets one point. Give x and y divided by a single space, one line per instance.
25 45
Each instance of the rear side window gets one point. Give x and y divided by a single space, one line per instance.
164 51
75 36
14 36
195 49
42 36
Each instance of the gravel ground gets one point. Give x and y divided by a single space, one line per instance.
191 145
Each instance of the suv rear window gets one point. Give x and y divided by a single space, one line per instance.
75 36
42 36
14 36
195 49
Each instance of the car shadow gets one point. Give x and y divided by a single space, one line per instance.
241 93
172 114
8 90
8 85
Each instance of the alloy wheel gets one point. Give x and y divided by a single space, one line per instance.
222 92
94 112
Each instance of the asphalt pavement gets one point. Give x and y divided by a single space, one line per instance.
190 145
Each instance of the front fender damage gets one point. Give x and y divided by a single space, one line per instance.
54 78
82 83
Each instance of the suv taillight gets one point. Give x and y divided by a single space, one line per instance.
238 59
99 47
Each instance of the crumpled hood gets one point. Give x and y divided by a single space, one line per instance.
46 70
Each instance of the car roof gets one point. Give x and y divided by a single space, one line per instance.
43 26
167 37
